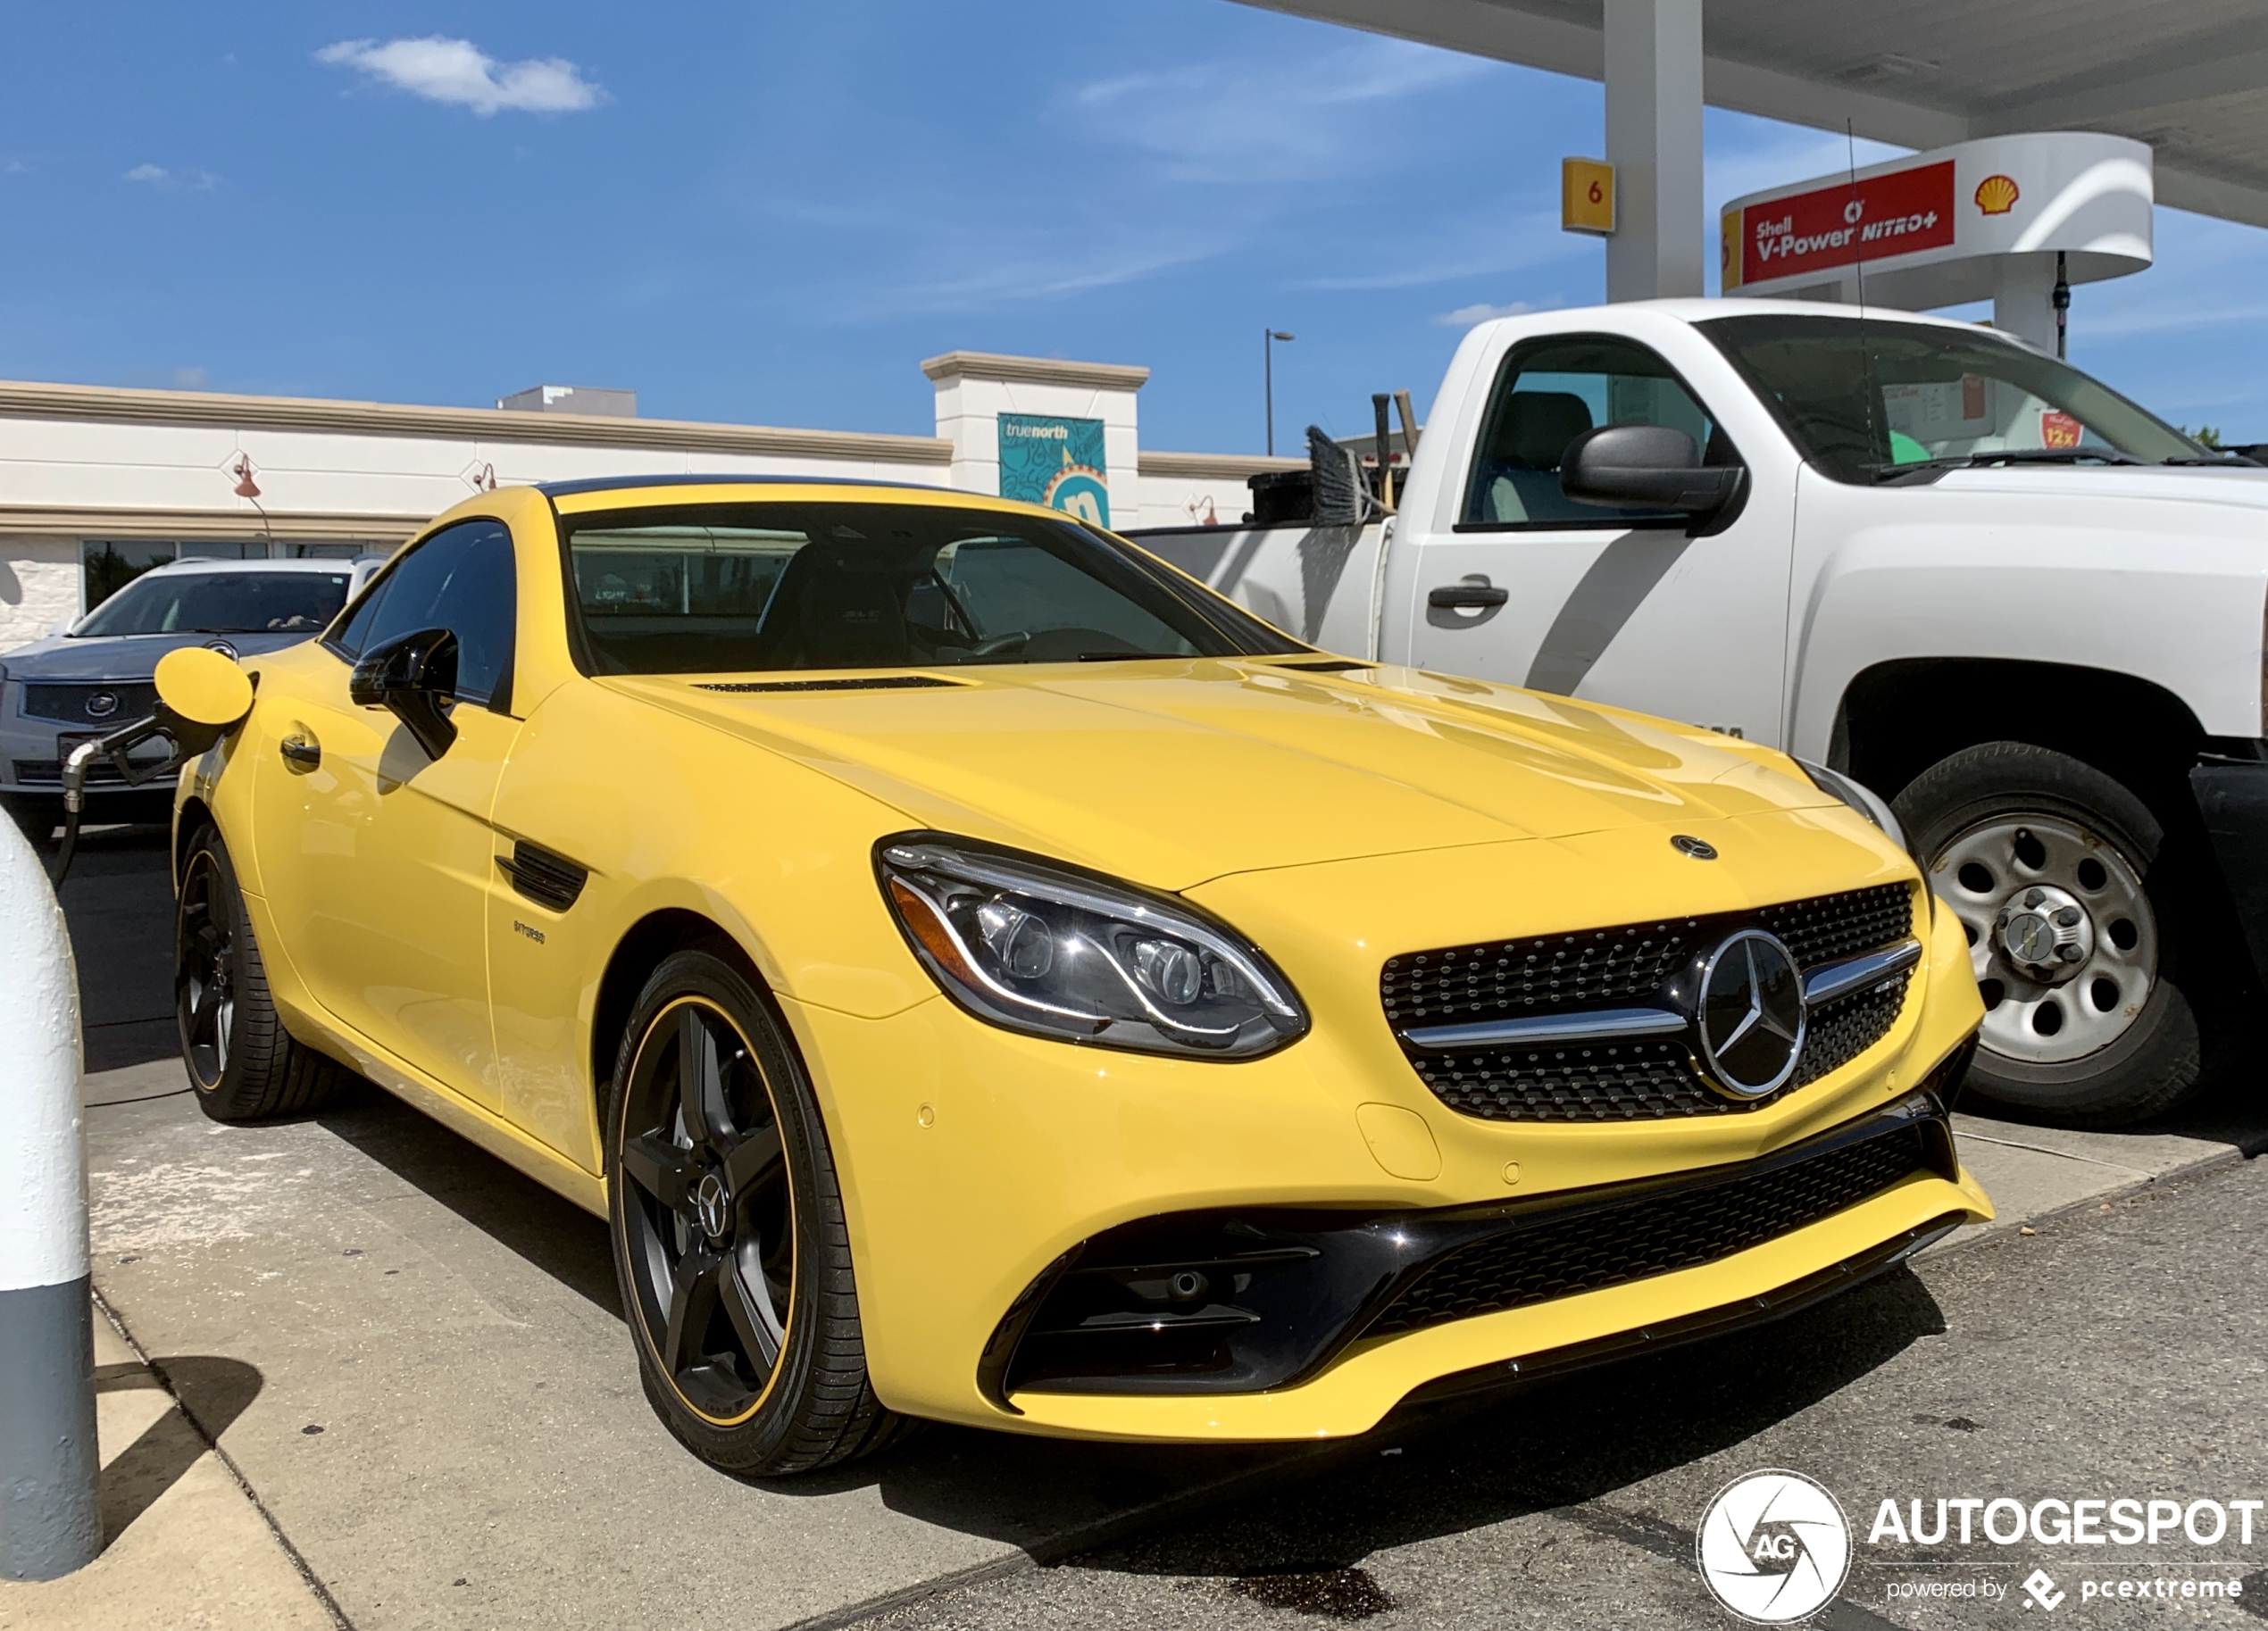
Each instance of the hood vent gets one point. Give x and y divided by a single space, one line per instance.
873 682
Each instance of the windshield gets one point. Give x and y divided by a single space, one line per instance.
727 588
219 603
1865 400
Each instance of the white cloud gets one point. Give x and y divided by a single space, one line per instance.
148 172
456 71
1249 123
1464 317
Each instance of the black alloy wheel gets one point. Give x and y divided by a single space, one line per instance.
709 1220
728 1235
204 957
242 1064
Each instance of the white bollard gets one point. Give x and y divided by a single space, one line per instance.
51 1510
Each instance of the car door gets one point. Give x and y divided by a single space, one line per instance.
377 858
1529 587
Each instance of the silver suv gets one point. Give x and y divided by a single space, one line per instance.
61 690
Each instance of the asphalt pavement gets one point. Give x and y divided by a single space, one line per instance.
2113 1351
411 1363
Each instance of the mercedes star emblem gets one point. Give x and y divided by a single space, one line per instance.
1750 1015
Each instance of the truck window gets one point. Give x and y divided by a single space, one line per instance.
1550 391
1868 400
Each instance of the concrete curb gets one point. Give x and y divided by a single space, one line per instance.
2008 1224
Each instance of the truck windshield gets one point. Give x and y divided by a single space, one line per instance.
219 603
1866 400
728 589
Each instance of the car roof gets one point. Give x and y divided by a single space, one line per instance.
201 563
734 479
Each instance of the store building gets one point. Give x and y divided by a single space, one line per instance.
98 484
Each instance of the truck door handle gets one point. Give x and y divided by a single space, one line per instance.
1473 593
301 753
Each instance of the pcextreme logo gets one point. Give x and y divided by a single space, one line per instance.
1774 1547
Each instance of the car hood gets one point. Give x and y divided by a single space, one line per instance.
1172 772
124 657
2238 486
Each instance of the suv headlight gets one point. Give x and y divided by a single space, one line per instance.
1859 797
1040 947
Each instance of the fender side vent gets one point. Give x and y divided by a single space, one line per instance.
546 878
871 682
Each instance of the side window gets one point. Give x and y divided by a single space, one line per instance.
1549 392
460 579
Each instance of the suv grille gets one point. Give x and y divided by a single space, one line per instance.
1554 974
66 704
1592 1248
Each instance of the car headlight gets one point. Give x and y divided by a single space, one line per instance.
1859 797
1037 947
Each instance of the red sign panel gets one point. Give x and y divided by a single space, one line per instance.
1873 219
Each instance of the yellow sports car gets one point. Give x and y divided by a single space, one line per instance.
983 976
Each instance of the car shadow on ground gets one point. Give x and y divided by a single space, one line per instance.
1556 1446
546 1229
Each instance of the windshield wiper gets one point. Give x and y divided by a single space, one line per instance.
2226 460
2007 455
1128 656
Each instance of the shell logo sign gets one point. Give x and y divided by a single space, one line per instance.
1997 195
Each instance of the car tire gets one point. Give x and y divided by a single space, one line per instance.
2055 872
730 1240
242 1064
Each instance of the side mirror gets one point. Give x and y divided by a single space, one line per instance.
201 697
414 675
1644 467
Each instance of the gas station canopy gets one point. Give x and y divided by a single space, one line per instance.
2192 80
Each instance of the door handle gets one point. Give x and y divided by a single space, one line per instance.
1474 593
300 751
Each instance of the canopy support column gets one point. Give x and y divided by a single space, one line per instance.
1654 141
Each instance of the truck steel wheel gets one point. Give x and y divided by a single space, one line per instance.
242 1063
728 1235
2046 863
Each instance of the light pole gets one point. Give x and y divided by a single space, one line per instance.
1268 375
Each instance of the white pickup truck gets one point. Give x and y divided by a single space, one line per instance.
1948 567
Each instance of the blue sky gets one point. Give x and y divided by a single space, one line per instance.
769 213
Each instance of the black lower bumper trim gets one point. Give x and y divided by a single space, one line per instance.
1244 1301
1722 1321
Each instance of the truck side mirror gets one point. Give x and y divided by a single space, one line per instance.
1644 467
415 677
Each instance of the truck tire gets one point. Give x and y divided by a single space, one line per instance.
242 1063
2079 952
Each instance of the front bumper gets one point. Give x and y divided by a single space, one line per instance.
2231 789
974 1162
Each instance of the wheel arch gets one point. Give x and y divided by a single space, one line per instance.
642 949
1896 719
193 814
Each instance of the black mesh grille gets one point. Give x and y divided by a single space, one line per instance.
1609 967
1841 1031
1600 967
1829 928
1594 968
66 704
1563 1256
